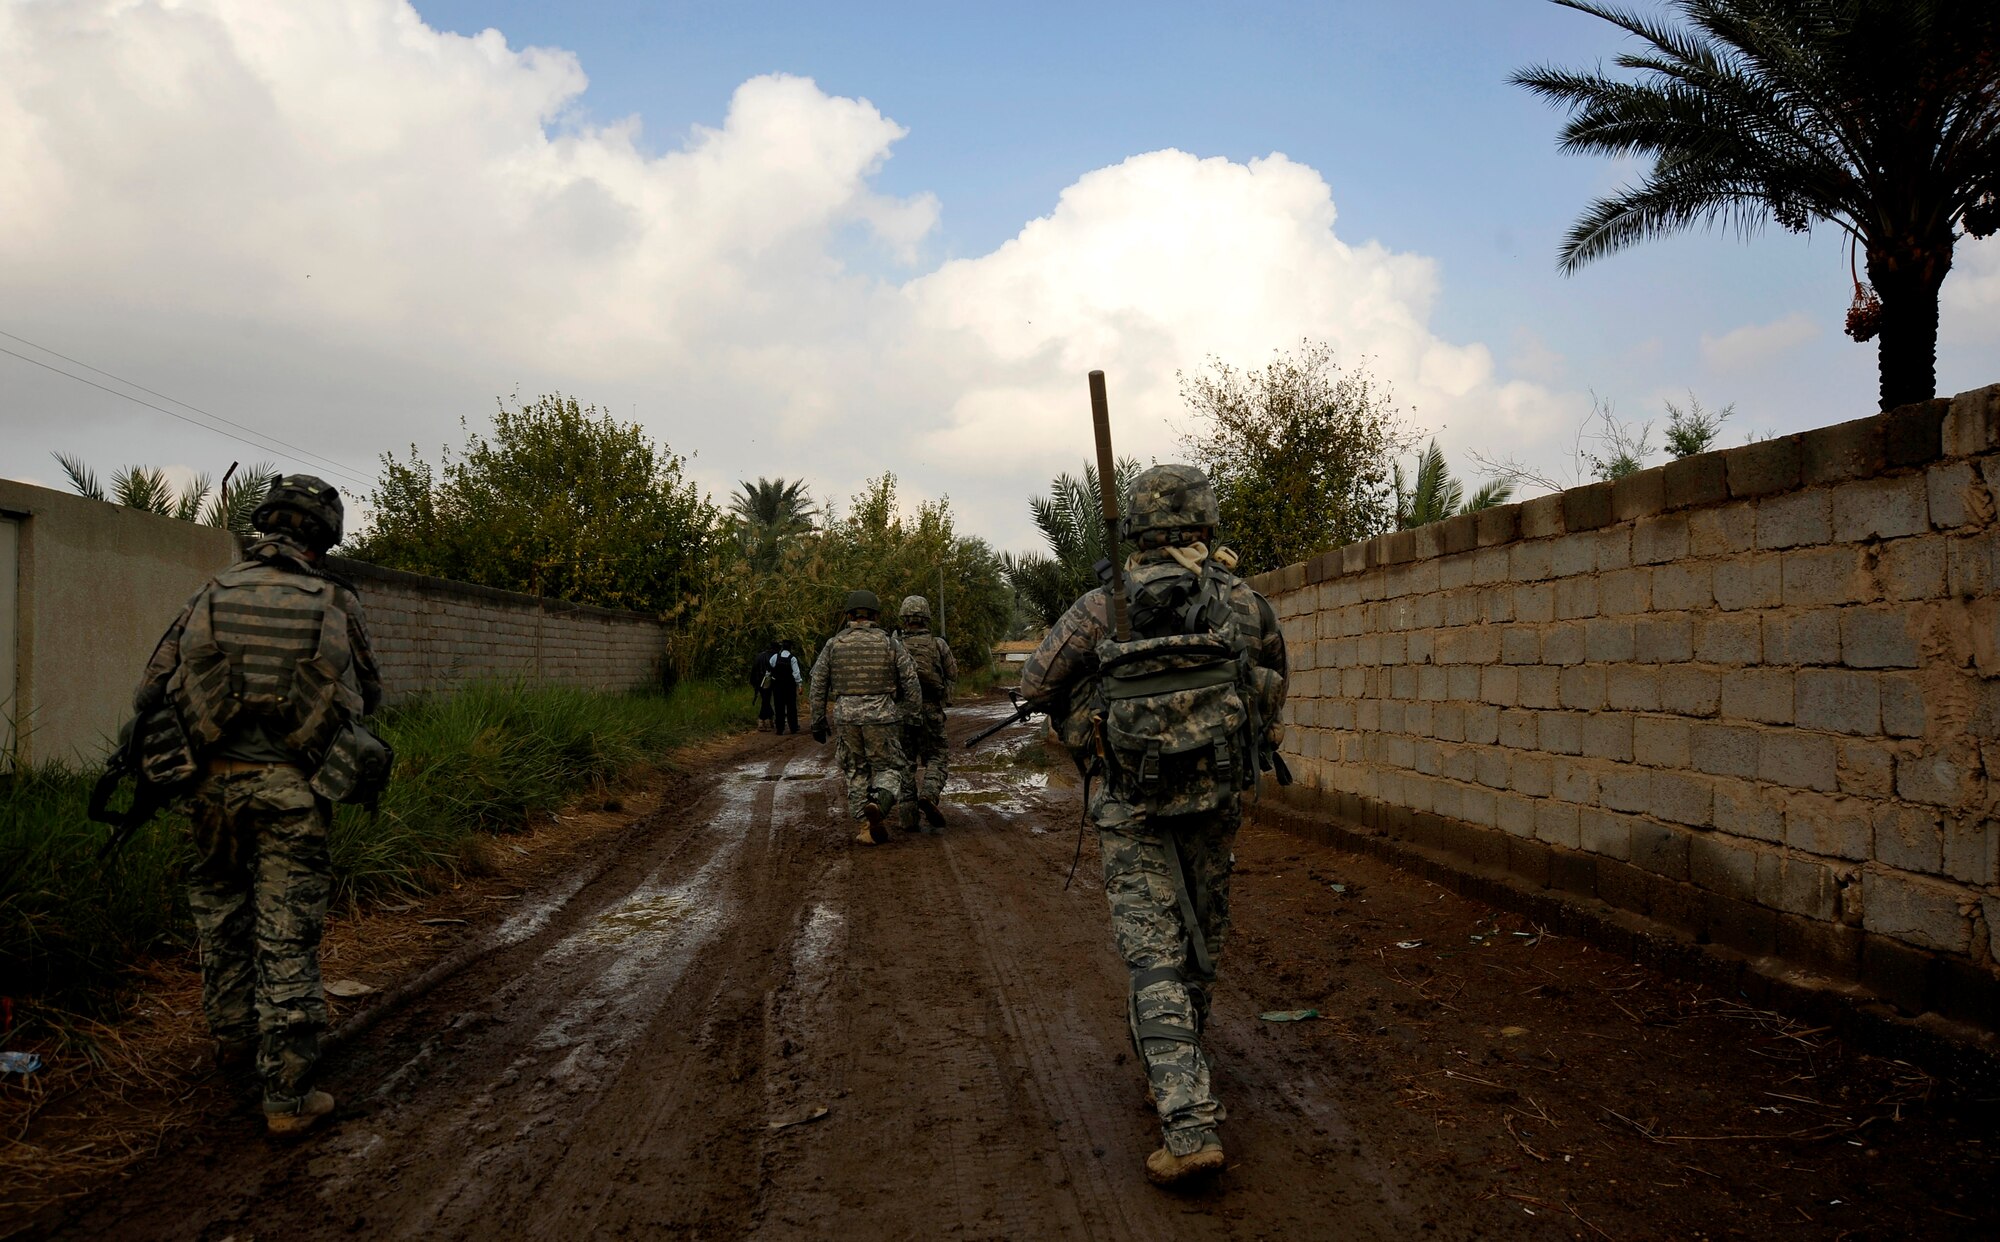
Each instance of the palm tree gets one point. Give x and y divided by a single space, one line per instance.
1436 496
770 511
1881 117
148 489
1071 519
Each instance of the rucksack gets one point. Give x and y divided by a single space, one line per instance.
1180 702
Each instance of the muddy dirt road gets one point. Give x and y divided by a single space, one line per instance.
744 1026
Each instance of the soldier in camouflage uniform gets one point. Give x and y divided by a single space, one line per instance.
1166 876
865 687
923 746
266 668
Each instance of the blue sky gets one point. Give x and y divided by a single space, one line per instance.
828 240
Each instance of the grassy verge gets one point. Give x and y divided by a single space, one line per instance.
477 763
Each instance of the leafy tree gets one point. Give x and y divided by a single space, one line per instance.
1692 429
1434 495
147 488
563 500
1071 519
1300 453
1879 116
768 512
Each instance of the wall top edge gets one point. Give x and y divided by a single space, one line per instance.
362 572
1907 437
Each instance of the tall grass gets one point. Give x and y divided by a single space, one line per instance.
478 762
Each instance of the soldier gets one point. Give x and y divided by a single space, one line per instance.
937 672
865 683
269 670
1170 728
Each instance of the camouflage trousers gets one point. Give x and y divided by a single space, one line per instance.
871 761
924 748
258 892
1163 877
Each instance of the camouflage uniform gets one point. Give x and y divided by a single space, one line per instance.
924 745
1152 909
864 684
230 664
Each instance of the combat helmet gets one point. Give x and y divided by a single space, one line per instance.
862 601
1172 497
915 606
303 506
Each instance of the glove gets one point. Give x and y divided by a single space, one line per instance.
819 732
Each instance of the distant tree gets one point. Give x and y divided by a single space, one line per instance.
1881 117
1692 430
1301 453
1434 495
563 500
768 512
1071 519
147 488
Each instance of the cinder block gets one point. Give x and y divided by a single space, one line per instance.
1722 531
1913 569
1603 833
1744 926
1794 519
1800 760
1815 577
1614 548
1903 709
1659 848
1945 493
1576 597
1519 644
1972 566
1663 640
1563 644
1851 450
1838 701
1625 591
1661 742
1761 694
1764 467
1836 827
1722 865
1632 687
1482 724
1731 638
1622 788
1399 547
1917 911
1530 774
1750 582
1911 434
1573 554
1459 534
1462 682
1909 839
1499 524
1605 737
1561 733
1972 848
1932 778
1517 729
1489 564
1690 691
1608 641
1880 508
1573 782
1587 508
1542 516
1516 815
1540 686
1500 685
1582 687
1694 481
1530 562
1683 586
1557 824
1876 638
1802 638
1638 495
1535 602
1798 886
1972 425
1743 810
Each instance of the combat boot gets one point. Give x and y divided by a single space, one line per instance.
906 816
290 1118
872 832
1203 1159
932 814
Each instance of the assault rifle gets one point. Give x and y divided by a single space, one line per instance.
1021 712
148 797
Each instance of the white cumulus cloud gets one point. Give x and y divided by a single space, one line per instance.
1756 345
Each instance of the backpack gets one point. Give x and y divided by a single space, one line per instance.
780 677
1181 702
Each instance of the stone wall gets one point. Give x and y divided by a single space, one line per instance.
431 634
1753 695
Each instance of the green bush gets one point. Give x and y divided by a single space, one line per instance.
478 762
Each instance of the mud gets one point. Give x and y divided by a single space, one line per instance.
744 1025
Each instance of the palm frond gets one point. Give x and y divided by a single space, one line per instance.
81 477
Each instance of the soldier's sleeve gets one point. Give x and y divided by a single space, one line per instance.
821 680
911 691
166 657
950 667
1068 651
1271 644
366 670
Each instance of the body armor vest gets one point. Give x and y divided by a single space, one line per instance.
927 653
864 662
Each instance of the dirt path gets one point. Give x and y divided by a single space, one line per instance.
745 1026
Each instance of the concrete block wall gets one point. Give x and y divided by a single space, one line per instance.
1753 695
432 634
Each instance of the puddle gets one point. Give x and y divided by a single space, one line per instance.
641 914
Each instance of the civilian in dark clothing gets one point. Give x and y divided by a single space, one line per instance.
760 672
784 666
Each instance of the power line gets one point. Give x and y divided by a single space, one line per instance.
281 446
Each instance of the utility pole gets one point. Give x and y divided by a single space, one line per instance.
941 633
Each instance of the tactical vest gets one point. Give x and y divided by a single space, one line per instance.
1181 705
864 662
267 646
927 653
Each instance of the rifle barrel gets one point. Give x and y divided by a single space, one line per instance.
1107 490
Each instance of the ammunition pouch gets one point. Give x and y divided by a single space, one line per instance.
355 768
